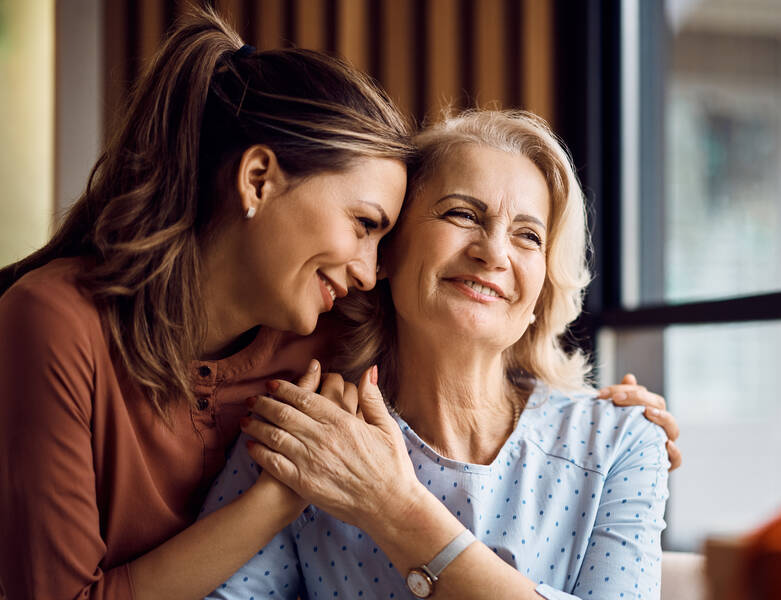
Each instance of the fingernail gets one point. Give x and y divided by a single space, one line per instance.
619 396
313 366
272 386
244 421
373 376
654 411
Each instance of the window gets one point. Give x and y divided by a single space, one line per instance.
698 311
672 111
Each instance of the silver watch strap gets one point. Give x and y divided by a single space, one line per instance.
448 553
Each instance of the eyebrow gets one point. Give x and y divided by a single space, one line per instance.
482 206
384 220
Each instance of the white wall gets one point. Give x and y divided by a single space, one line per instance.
26 125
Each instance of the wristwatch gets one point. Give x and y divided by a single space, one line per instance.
421 580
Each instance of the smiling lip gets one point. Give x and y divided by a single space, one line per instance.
329 290
460 282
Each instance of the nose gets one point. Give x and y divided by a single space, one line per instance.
363 270
491 249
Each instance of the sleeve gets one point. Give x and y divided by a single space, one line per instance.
624 554
49 522
275 571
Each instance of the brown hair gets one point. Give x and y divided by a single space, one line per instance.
369 317
203 100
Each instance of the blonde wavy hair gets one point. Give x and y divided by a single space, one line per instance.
369 318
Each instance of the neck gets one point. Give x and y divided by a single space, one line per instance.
228 323
455 396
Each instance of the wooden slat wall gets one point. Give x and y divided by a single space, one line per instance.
427 53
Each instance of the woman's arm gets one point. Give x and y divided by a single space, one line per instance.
50 523
360 473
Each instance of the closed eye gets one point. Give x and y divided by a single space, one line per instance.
369 225
530 236
462 214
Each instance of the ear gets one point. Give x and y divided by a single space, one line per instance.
259 178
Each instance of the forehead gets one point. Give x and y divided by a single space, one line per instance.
498 178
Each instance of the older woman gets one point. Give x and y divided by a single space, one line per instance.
496 473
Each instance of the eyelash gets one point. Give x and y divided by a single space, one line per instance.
469 216
461 214
532 237
368 224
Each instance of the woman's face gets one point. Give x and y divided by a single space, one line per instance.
319 238
468 258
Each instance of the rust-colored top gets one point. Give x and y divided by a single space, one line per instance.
90 477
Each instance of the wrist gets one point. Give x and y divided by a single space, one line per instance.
414 514
272 501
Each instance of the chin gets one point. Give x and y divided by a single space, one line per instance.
303 325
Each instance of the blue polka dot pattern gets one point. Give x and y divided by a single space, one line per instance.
574 500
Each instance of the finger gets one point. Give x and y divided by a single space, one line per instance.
350 398
638 397
282 415
273 437
674 453
629 379
275 464
333 387
305 401
370 398
665 420
612 390
311 379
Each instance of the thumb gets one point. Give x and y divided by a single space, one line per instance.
310 380
370 400
629 379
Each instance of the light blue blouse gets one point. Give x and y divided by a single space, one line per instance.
574 500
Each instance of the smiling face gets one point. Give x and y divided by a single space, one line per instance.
316 240
469 254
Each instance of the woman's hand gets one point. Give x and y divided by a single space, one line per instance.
629 393
272 487
355 467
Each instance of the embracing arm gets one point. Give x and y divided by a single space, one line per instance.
50 522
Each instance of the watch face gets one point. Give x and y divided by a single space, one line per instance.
419 583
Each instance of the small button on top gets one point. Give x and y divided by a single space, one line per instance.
203 403
204 371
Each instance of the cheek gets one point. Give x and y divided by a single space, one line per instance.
532 274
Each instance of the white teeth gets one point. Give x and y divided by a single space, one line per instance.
480 289
330 288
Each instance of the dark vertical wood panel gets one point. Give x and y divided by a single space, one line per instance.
396 67
310 24
538 57
269 27
443 80
151 26
375 33
490 54
116 79
351 32
466 43
514 52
